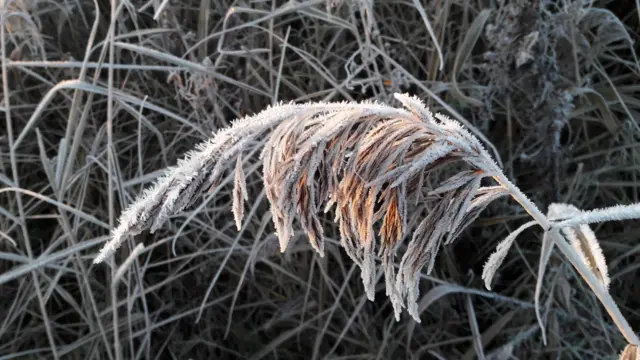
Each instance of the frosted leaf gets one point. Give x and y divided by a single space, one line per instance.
418 254
581 238
613 213
416 106
488 195
496 259
403 172
584 242
239 193
459 208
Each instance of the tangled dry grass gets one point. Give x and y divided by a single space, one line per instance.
99 97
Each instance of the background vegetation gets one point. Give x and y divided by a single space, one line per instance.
100 96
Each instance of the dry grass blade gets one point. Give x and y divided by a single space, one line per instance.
583 240
613 213
239 193
427 24
464 51
496 259
475 329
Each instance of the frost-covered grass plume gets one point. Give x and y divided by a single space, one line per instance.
371 164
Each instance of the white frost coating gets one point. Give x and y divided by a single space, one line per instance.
459 213
613 213
496 259
582 238
431 154
456 181
487 196
416 106
239 194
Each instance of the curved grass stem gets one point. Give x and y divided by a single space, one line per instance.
603 294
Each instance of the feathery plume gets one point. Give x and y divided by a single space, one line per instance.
239 193
365 160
